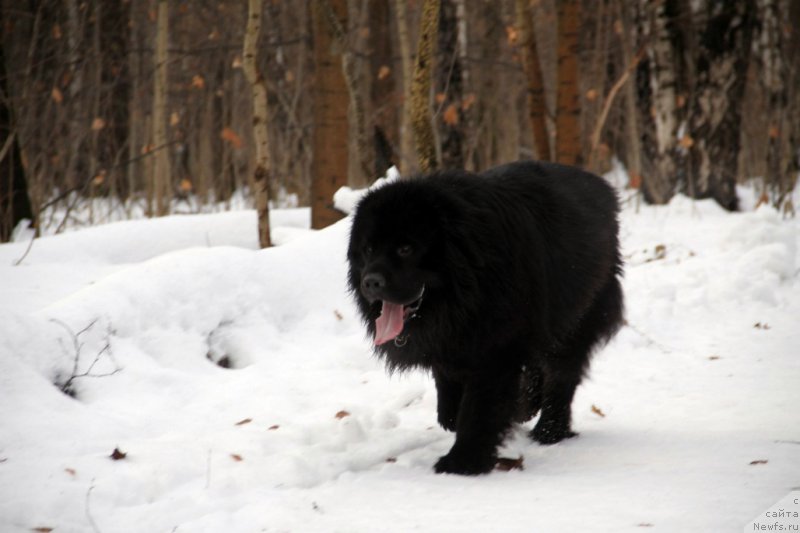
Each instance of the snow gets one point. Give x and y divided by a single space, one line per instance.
307 432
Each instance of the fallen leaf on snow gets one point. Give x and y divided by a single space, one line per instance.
116 455
596 410
243 422
506 464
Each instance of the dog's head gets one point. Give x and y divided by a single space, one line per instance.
395 248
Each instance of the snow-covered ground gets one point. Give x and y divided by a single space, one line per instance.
688 423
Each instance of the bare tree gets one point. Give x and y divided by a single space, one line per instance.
633 144
568 131
330 136
422 122
261 172
363 147
407 160
161 187
14 202
721 69
537 107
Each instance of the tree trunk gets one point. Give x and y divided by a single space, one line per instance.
364 148
633 143
568 127
537 106
330 137
422 122
723 55
383 96
261 171
162 181
774 78
14 202
450 89
663 87
407 159
76 168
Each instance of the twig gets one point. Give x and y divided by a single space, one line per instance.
601 121
86 508
77 346
650 340
27 251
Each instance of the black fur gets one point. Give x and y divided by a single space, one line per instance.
520 269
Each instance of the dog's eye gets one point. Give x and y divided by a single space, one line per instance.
405 251
368 250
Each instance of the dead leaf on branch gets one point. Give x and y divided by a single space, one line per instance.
468 101
512 34
198 82
450 115
384 72
232 137
686 141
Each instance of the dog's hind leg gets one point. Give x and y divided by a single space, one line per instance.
564 368
529 400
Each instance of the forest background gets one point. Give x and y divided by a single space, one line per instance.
155 107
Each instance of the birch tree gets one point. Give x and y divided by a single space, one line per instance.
721 69
261 170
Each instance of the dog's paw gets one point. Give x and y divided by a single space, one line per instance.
464 466
551 433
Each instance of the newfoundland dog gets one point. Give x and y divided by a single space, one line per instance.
500 283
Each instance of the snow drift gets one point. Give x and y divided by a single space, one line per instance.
240 386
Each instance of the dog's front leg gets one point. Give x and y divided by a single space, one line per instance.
484 417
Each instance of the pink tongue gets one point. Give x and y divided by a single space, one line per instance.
389 324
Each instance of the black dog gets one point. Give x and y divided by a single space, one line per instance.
501 283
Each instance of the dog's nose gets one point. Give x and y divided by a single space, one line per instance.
372 284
